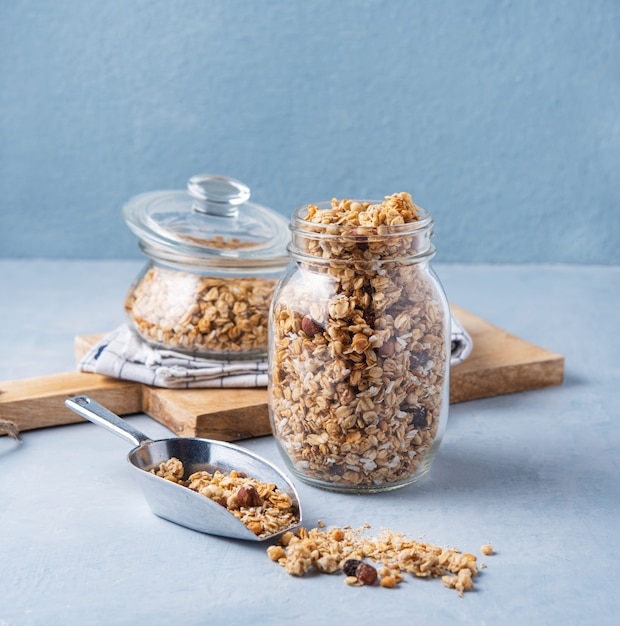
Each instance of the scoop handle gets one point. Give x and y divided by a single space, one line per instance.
94 412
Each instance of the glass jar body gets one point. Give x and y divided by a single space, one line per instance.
359 366
210 314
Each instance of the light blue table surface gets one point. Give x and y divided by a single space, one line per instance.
535 474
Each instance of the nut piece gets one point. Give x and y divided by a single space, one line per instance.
386 350
487 549
248 497
310 326
388 582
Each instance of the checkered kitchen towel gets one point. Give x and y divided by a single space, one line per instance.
123 354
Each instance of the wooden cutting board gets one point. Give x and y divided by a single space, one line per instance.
500 363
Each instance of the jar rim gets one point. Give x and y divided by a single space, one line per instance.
311 259
349 243
305 226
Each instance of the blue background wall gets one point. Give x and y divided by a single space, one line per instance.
500 117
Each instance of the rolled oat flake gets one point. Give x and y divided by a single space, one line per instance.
359 346
214 261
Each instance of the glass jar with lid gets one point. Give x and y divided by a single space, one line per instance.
214 261
359 346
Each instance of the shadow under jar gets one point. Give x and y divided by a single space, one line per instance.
214 261
359 347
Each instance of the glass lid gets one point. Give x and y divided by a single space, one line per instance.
211 222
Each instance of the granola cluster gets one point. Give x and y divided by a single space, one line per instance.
334 550
262 507
359 353
208 315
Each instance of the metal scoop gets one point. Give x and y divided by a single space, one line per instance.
177 503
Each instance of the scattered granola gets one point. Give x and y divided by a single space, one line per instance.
359 357
207 315
487 549
262 507
331 550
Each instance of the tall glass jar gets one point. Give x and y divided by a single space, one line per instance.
359 346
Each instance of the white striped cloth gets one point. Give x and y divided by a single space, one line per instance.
123 354
462 343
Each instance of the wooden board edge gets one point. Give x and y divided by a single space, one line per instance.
38 402
235 424
188 412
506 380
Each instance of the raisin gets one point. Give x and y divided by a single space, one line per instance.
366 574
369 318
350 566
417 360
418 417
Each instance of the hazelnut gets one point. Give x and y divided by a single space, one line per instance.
310 327
386 350
248 497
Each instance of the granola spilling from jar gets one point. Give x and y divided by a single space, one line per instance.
359 348
201 314
262 507
348 550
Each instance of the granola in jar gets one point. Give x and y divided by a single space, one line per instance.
359 346
208 315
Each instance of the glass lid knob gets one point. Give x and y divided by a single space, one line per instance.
217 195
